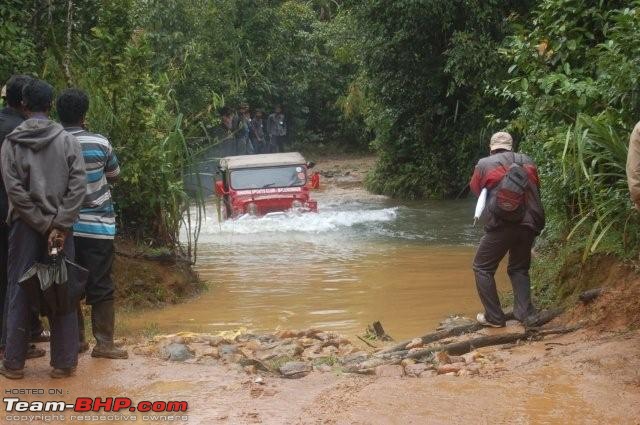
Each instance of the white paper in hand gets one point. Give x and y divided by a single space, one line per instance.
482 201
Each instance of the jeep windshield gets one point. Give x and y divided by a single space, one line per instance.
263 178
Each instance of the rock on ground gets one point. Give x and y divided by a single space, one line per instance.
177 352
450 368
414 370
294 370
389 371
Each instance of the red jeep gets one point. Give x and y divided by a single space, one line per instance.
263 184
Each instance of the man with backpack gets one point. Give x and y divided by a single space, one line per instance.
514 217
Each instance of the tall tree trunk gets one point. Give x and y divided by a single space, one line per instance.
67 53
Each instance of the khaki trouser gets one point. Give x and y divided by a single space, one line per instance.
633 165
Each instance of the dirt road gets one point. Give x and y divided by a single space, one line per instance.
585 377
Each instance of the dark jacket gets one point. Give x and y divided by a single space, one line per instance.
257 130
491 170
44 175
9 120
276 125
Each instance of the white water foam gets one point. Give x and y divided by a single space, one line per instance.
321 222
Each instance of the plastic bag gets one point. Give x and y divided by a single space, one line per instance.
482 202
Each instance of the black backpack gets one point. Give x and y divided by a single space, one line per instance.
509 197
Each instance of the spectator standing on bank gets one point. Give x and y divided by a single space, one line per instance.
10 117
257 133
96 228
277 130
245 129
44 175
240 130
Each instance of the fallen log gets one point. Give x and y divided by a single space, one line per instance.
438 335
435 336
463 347
587 296
400 350
554 331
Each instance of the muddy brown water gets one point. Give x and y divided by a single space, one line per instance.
361 258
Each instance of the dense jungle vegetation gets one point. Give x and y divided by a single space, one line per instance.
422 83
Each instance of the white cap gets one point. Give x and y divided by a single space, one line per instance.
501 140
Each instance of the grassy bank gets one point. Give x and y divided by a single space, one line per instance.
148 278
560 273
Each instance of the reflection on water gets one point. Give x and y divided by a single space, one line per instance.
361 258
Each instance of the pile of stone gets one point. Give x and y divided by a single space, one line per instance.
443 364
291 354
450 350
294 354
440 363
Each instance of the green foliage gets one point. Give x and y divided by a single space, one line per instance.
132 106
103 50
259 52
16 48
157 71
594 159
574 78
425 66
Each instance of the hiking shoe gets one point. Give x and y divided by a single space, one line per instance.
11 373
484 322
66 372
34 352
109 352
44 336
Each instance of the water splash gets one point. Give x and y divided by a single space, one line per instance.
325 221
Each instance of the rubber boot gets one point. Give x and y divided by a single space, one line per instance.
83 346
11 373
62 373
102 323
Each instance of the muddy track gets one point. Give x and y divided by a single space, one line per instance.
339 398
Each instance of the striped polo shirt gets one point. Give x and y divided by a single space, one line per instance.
97 217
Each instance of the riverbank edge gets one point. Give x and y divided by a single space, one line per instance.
151 278
560 274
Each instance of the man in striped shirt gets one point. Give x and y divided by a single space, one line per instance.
96 227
